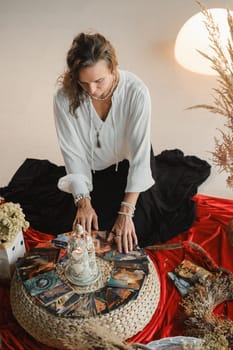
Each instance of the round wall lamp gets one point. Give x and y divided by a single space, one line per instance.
193 36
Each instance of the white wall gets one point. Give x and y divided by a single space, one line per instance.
34 38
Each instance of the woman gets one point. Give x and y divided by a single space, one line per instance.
103 117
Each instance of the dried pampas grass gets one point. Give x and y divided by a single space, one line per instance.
222 62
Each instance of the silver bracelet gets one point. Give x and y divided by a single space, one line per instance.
80 196
124 213
128 205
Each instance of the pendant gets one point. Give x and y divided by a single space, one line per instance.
98 143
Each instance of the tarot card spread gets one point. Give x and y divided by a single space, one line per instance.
37 271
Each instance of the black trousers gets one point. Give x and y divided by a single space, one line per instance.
108 192
165 209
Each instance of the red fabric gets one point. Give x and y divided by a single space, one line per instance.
208 230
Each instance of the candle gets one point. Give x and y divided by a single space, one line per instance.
77 253
78 268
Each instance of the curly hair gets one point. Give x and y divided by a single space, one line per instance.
86 50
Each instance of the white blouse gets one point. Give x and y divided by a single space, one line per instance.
125 134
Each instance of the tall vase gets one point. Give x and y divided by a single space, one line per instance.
9 253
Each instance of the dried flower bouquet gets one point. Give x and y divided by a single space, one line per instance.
222 63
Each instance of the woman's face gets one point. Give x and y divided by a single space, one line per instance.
96 80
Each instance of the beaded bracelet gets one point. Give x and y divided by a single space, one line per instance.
124 213
80 196
128 205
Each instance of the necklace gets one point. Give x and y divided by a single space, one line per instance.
109 93
98 143
97 130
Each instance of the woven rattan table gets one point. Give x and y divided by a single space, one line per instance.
52 330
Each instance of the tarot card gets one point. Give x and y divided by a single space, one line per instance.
133 265
50 253
116 297
61 240
101 304
101 244
32 265
181 284
136 254
101 235
191 272
126 278
85 307
59 244
61 251
51 295
64 236
42 282
64 304
187 274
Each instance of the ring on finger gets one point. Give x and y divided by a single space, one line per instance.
118 235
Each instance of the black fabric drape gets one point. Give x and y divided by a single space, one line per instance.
162 212
168 206
34 186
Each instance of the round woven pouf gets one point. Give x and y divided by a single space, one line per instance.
49 329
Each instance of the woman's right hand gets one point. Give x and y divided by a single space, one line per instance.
86 216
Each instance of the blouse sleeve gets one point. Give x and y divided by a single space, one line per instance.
140 176
78 178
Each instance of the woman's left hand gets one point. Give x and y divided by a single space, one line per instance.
123 232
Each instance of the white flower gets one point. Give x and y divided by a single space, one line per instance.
12 220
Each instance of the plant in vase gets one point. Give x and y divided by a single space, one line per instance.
12 220
12 224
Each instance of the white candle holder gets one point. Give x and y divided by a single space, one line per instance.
81 268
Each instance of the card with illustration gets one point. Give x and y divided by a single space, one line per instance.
116 297
42 282
101 304
85 307
50 253
64 304
133 265
126 278
61 250
181 284
186 274
136 254
61 240
51 295
191 271
32 265
101 235
101 244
